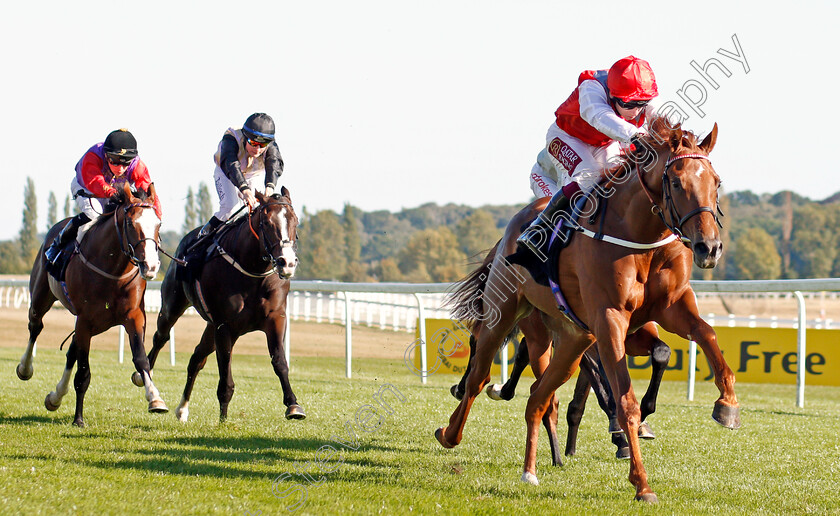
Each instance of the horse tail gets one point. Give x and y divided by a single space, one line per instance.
466 300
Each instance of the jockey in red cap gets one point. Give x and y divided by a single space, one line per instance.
607 109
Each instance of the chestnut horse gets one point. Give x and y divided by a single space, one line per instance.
241 288
105 282
534 350
627 269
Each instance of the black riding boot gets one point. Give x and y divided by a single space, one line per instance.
537 234
67 234
210 227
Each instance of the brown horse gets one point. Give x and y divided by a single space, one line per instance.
105 281
241 288
625 270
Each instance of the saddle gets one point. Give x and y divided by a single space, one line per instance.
197 253
59 269
545 271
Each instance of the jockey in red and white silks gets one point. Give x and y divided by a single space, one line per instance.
591 128
587 134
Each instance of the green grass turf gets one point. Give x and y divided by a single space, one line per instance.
783 460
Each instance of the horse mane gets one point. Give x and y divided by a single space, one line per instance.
660 132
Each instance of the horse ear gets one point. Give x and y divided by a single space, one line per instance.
260 197
285 192
127 191
709 141
676 139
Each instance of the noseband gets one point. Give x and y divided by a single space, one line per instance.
125 246
677 221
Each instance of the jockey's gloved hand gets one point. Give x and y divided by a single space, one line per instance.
269 191
641 151
249 198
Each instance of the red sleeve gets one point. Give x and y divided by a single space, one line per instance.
142 180
92 178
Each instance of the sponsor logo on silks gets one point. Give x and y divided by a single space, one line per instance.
541 184
564 154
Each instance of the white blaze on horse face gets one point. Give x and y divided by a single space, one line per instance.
700 171
149 222
286 251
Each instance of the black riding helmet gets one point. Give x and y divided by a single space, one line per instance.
259 127
120 143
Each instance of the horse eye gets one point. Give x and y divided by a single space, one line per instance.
676 183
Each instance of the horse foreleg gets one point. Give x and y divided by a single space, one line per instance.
574 412
611 332
53 399
646 342
224 348
173 304
507 391
197 361
275 331
683 319
81 381
135 327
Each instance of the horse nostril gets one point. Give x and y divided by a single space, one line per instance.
701 249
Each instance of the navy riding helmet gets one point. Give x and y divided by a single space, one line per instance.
259 127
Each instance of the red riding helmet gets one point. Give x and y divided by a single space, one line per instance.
632 79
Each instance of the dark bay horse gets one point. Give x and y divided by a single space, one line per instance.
241 288
105 282
628 268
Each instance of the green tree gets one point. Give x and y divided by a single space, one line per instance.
190 213
433 254
69 208
757 256
322 251
52 211
28 237
10 259
205 204
356 271
388 270
815 240
477 233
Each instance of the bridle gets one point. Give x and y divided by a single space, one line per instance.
127 248
676 223
268 256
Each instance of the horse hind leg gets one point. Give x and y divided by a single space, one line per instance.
53 399
42 300
197 362
457 390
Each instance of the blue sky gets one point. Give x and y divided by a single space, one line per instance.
392 104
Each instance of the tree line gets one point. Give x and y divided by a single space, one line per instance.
767 236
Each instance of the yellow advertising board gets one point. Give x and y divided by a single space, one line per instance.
755 355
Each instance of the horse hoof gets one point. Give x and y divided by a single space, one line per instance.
295 412
24 376
645 431
79 422
494 391
728 416
530 478
442 439
136 379
648 498
183 414
158 407
623 453
615 428
455 394
49 404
